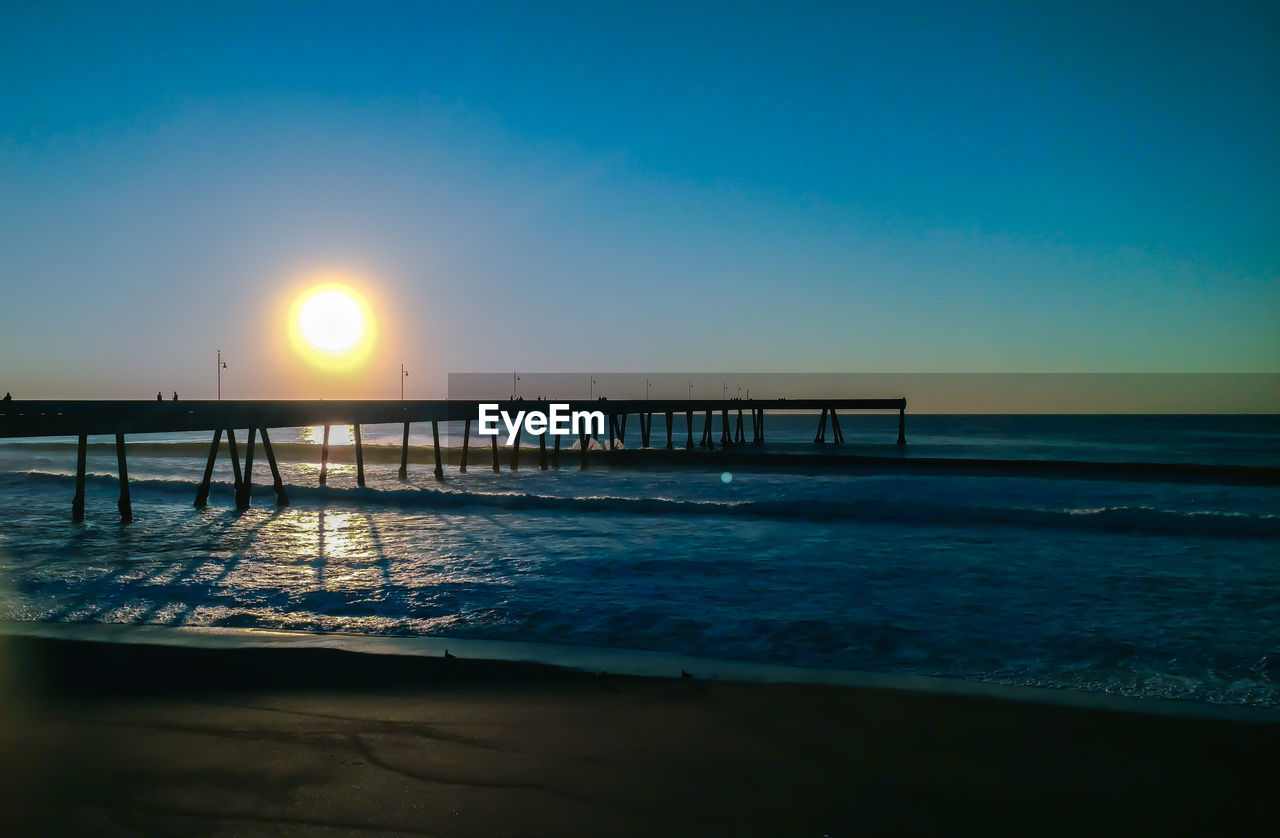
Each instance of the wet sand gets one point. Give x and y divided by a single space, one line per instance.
125 739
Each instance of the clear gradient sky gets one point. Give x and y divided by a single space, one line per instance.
644 186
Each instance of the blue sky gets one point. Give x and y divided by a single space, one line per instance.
773 187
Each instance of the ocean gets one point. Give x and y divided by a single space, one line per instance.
1129 587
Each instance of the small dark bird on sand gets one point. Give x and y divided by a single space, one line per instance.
448 656
600 679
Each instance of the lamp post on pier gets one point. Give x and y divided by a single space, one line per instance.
222 365
404 373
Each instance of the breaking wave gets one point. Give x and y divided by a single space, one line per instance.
1144 520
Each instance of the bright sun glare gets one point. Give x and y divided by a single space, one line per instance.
331 320
332 325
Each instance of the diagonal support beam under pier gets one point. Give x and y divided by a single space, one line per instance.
837 435
281 498
235 459
245 489
202 493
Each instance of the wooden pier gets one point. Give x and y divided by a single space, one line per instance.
82 419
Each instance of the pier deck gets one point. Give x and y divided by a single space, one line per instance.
71 418
82 419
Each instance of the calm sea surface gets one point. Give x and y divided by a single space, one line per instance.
1139 588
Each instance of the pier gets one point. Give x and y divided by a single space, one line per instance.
82 419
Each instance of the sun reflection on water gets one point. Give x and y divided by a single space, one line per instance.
319 550
338 435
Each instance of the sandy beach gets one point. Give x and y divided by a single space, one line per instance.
124 739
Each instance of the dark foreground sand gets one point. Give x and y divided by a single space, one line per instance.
101 739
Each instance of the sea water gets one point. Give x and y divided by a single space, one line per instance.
1141 588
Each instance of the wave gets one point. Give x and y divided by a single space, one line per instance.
1142 520
779 458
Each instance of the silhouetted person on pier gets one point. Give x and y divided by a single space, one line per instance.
8 397
159 397
175 395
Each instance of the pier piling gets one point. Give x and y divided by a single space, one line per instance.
324 456
837 435
466 441
555 453
202 493
669 417
404 453
124 504
77 503
688 424
359 456
515 449
542 451
435 444
821 435
582 448
493 440
902 426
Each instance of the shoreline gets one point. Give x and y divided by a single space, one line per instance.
132 738
617 661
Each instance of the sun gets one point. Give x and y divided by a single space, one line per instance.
331 321
331 325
